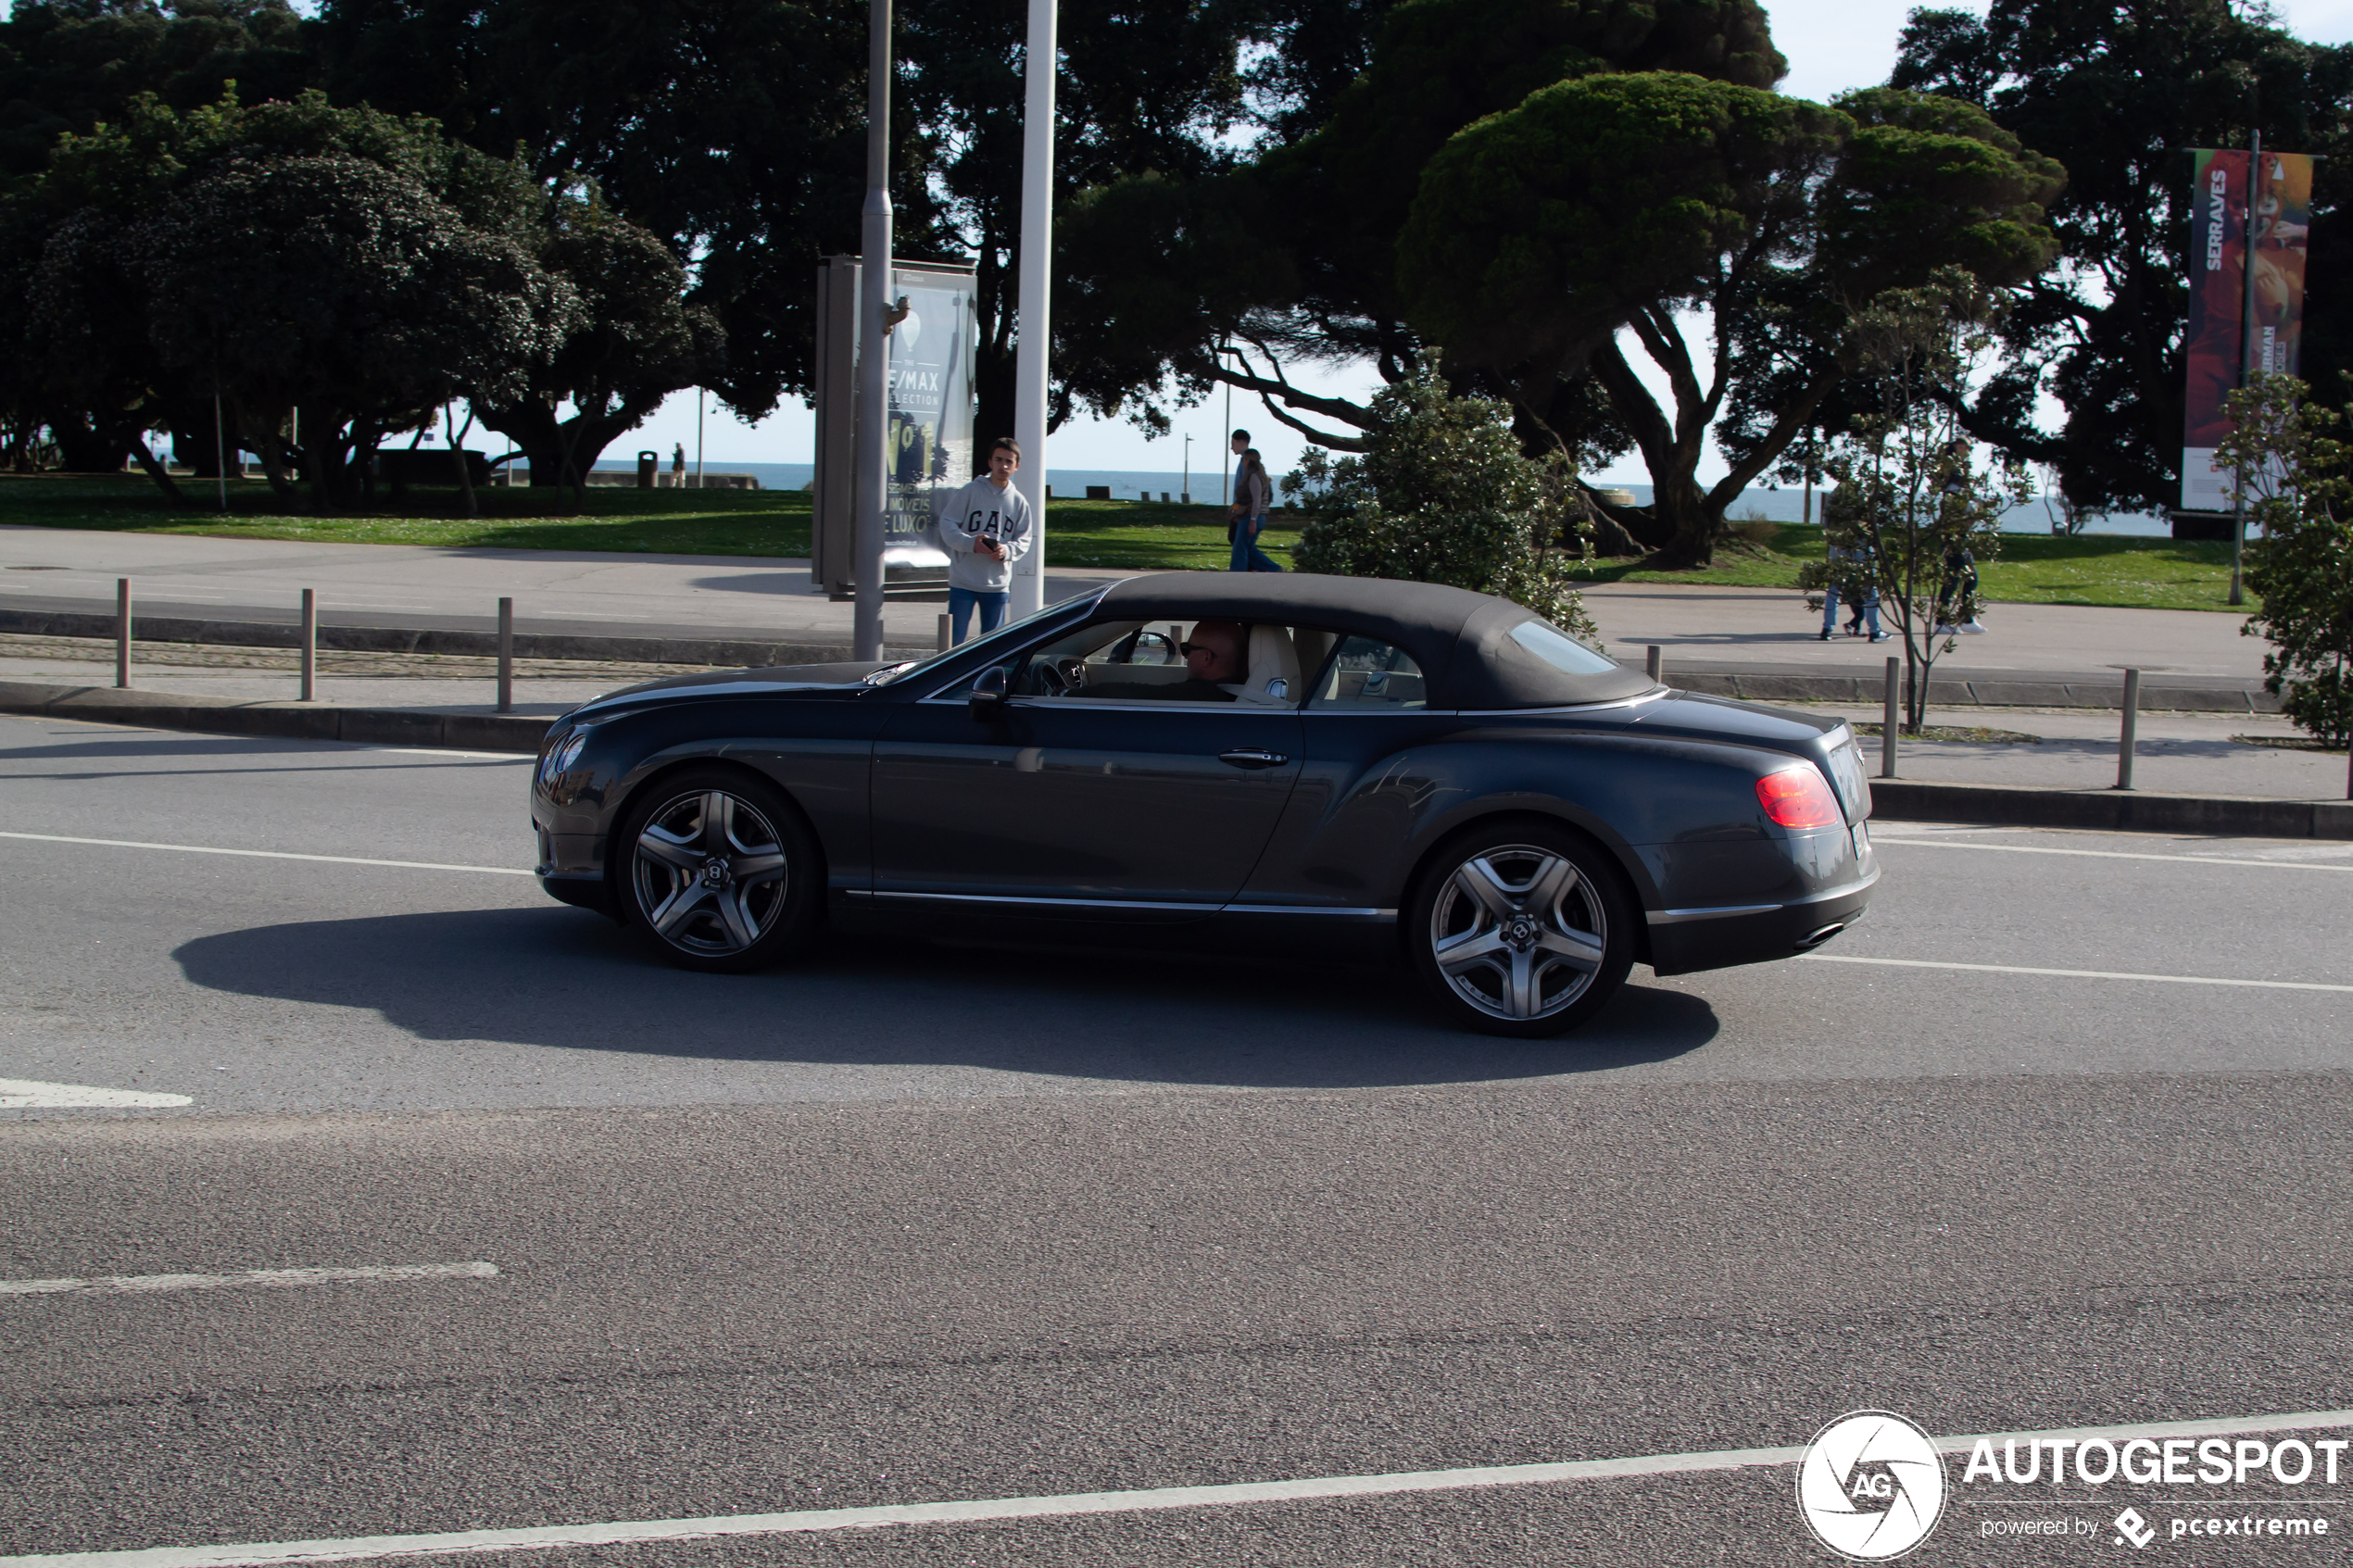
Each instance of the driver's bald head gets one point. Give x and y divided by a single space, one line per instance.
1215 650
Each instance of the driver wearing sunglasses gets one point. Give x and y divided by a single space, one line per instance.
1214 654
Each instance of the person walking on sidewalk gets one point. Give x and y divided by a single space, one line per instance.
1256 494
1855 569
1960 562
985 528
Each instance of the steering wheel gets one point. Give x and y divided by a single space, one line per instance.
1060 677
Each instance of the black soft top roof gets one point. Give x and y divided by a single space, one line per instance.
1462 640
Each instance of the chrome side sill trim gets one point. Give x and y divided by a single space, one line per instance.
1310 909
1052 903
1365 914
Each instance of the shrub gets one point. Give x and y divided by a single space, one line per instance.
2303 565
1443 494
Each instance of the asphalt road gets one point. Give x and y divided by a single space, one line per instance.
901 1226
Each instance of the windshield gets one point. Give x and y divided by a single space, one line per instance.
1004 636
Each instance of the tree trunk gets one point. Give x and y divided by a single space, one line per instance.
156 472
994 393
458 455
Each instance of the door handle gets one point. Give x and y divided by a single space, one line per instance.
1253 759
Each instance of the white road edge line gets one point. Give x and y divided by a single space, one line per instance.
2074 974
1879 838
32 1094
147 1285
264 854
544 1537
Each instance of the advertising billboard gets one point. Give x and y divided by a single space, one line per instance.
929 449
2219 255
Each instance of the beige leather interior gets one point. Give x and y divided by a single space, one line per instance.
1272 659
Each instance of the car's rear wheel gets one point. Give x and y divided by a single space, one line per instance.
1523 929
719 871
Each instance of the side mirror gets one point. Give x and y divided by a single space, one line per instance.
988 700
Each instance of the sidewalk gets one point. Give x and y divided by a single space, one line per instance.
556 593
1771 631
1752 634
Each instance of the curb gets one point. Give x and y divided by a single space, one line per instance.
2111 810
1895 801
1972 693
725 654
295 720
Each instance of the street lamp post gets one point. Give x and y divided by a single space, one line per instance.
1036 305
872 493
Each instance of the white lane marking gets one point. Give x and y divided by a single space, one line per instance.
144 1284
264 854
1879 838
29 1094
2074 974
471 756
543 1537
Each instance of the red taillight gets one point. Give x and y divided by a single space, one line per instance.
1799 799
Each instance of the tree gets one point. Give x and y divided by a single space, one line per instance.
1443 494
2298 490
634 340
732 130
1625 201
1289 255
362 269
67 65
1909 491
2126 90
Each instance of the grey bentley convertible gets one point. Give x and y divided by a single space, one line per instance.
1396 769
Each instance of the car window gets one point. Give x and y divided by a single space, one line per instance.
1006 636
1369 675
1144 661
1562 651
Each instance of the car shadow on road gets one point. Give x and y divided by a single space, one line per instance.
564 979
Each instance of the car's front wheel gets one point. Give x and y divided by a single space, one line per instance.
1524 929
719 871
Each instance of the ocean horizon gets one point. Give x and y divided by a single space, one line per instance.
1128 484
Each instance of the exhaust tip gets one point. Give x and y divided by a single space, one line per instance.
1813 940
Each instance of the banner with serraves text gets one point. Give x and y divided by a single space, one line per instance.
2219 253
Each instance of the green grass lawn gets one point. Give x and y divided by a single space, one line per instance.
1147 536
699 523
1130 535
2032 569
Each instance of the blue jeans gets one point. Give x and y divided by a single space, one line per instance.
959 611
1829 609
1247 556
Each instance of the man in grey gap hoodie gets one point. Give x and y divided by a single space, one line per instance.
985 528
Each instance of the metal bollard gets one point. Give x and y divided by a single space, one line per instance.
1890 721
943 634
1655 663
122 632
505 656
2132 722
309 644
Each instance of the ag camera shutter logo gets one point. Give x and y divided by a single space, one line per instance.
1871 1486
